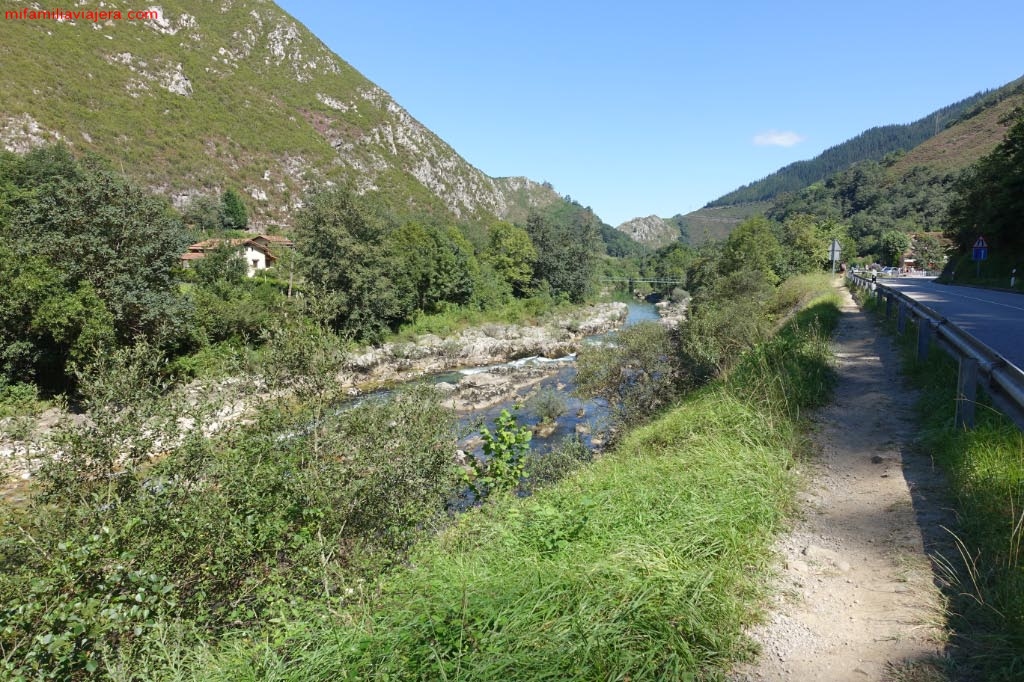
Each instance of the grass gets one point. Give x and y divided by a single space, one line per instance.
994 272
647 564
985 469
521 311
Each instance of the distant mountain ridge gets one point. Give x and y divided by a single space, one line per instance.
871 145
233 93
971 130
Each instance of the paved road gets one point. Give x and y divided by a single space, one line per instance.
994 317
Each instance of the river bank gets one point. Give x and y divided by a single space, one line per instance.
25 442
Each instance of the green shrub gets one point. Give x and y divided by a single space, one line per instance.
547 405
298 506
725 320
18 400
503 464
638 375
545 468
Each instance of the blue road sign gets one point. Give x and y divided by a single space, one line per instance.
980 250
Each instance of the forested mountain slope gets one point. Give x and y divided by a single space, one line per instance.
871 145
231 93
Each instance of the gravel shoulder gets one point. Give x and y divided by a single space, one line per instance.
857 596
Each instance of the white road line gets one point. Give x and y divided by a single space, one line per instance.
982 300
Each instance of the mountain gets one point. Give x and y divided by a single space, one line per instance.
954 137
651 231
974 135
710 224
873 144
210 95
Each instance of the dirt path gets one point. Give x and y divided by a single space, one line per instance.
857 598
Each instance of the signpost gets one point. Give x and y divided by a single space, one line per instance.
978 254
834 250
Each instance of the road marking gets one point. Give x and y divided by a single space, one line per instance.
981 300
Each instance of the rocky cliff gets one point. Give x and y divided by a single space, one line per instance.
652 231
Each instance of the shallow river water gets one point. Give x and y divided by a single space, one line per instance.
582 418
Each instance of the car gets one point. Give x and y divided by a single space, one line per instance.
890 272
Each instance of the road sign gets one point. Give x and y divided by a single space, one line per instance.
834 250
980 250
833 253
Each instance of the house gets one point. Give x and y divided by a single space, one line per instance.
255 251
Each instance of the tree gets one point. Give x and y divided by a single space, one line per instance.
203 215
804 246
990 196
894 244
437 261
929 251
346 256
233 215
93 227
512 255
673 262
752 246
565 241
223 264
47 325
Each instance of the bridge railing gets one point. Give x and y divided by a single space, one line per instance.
1002 380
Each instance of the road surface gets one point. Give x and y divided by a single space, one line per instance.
996 318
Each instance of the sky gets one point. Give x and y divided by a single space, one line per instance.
657 108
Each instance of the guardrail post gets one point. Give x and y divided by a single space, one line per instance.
966 392
924 339
888 306
901 318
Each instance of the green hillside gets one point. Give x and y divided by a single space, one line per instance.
973 136
873 144
712 224
231 94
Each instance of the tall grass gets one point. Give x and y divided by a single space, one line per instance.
457 318
985 469
645 565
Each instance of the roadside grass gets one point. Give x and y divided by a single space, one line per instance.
994 272
985 469
647 564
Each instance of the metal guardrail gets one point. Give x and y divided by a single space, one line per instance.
1003 381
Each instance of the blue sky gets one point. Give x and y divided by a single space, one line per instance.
659 107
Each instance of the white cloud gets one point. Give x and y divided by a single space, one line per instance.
778 138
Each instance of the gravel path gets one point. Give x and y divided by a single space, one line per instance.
857 596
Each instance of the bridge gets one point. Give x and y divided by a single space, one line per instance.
631 280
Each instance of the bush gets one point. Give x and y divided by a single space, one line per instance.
18 400
727 319
216 534
637 376
547 405
503 464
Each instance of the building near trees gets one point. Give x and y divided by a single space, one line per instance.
255 251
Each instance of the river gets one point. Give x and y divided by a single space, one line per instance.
583 418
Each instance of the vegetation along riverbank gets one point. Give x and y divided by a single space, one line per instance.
647 563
